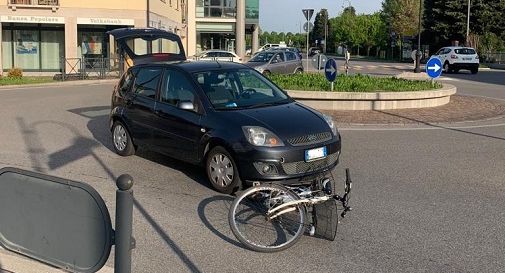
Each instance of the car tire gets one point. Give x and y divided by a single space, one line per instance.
474 71
447 68
298 71
121 140
222 171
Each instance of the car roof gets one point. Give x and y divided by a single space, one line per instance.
199 66
459 47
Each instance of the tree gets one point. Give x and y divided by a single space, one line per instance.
319 26
446 20
401 15
350 9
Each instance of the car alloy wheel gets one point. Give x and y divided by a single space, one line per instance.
221 170
121 140
120 137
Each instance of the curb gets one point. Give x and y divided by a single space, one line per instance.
57 84
374 100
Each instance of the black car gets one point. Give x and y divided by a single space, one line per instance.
225 116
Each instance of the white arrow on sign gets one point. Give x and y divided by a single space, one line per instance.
332 69
434 68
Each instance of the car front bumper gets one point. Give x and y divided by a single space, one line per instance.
287 163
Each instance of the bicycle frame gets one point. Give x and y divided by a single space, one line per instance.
292 205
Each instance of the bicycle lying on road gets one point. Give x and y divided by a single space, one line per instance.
273 217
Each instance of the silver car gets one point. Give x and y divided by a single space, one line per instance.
276 62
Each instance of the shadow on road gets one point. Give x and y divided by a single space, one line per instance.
213 212
84 147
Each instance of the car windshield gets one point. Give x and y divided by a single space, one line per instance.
262 57
239 89
465 51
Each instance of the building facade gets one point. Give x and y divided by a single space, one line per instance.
35 34
222 24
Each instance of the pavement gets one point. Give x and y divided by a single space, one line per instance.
426 198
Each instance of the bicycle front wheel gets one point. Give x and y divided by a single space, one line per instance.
249 221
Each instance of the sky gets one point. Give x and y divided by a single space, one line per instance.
287 16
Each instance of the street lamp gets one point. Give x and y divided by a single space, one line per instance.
468 25
418 53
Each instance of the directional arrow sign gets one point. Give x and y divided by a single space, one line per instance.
434 67
330 70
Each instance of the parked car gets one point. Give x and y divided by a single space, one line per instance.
276 61
290 49
224 116
219 55
314 51
456 58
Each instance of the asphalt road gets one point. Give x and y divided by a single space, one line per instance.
426 199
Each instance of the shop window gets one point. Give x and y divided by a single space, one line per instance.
26 49
52 48
6 49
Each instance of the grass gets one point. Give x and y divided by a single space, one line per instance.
24 80
356 83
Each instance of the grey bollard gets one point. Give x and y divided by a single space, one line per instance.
124 216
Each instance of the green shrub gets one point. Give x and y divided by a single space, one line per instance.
354 83
15 73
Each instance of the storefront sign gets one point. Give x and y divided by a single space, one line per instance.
105 21
32 19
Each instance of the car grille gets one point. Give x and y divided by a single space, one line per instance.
300 167
310 139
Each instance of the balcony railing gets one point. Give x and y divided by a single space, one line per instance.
46 4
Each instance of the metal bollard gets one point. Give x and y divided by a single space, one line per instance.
124 215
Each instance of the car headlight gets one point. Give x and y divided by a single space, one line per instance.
259 136
331 123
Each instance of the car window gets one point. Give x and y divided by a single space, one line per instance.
278 58
211 54
290 56
227 54
447 51
239 88
262 57
126 83
176 88
147 81
465 51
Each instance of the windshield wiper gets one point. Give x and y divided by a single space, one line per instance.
270 103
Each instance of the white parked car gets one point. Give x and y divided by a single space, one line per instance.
219 55
455 58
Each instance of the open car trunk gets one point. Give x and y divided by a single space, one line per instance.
147 45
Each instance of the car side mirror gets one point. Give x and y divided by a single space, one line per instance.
186 105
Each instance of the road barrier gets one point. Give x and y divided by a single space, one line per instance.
89 68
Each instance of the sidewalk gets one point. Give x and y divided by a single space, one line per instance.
12 263
61 83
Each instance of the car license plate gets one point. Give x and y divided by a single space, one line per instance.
467 59
315 154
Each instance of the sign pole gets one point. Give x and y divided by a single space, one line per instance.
332 86
308 22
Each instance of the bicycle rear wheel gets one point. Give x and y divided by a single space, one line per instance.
250 225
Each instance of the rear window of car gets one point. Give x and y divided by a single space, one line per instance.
465 51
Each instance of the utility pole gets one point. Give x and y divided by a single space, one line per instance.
468 26
325 32
418 53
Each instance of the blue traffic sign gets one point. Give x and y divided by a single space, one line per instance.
434 67
330 70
